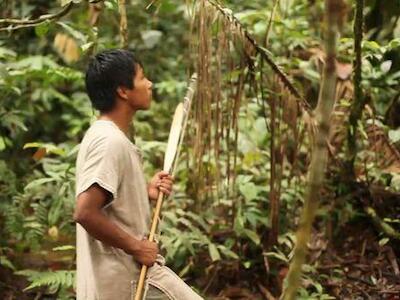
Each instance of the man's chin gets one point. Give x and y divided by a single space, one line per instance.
147 106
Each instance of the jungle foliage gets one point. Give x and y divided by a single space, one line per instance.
241 180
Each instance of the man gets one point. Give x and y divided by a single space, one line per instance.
112 206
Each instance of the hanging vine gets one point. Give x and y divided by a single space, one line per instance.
232 69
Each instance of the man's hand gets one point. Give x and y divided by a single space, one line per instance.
144 252
162 181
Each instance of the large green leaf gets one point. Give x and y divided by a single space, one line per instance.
214 253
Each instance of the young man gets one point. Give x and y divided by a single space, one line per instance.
112 206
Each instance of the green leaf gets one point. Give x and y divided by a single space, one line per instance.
386 65
394 135
248 190
151 38
53 279
86 46
247 264
66 2
111 4
7 53
64 248
5 262
238 223
394 44
252 235
227 252
38 182
73 32
214 253
50 148
383 242
42 29
278 255
32 145
2 144
371 45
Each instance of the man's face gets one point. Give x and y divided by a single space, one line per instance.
140 96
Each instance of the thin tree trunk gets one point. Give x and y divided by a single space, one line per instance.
273 197
319 155
123 23
358 101
272 16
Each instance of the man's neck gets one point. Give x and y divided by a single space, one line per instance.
121 118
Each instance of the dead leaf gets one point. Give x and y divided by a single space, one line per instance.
94 12
39 154
66 47
343 70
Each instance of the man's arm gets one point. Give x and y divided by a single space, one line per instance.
88 213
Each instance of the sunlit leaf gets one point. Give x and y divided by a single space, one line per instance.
214 253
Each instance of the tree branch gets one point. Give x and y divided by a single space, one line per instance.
385 227
14 24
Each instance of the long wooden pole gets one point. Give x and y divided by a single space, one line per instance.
154 224
173 148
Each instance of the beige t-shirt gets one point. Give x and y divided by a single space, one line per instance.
108 158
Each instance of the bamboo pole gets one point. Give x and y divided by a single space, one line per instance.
319 156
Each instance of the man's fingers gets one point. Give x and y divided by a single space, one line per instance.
162 174
166 186
165 191
166 181
165 175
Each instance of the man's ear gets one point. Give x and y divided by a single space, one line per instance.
121 92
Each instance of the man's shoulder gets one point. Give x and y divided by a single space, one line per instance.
103 135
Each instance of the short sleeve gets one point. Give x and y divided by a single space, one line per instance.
102 164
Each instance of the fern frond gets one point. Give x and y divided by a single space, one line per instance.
54 280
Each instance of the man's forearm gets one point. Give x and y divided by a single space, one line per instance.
101 228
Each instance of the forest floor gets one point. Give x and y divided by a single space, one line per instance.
355 265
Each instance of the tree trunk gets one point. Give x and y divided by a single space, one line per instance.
319 156
358 100
123 23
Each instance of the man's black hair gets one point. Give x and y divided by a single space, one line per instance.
106 72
